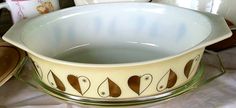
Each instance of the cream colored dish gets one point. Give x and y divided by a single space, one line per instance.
153 48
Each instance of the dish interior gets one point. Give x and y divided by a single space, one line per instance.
115 33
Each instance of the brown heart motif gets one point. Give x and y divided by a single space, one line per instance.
55 82
190 66
108 88
140 83
167 81
80 84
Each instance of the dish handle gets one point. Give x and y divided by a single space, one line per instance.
219 30
13 35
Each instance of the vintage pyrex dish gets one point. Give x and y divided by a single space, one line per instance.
131 49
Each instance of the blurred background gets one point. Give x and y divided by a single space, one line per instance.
5 17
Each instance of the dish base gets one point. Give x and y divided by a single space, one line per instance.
202 76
